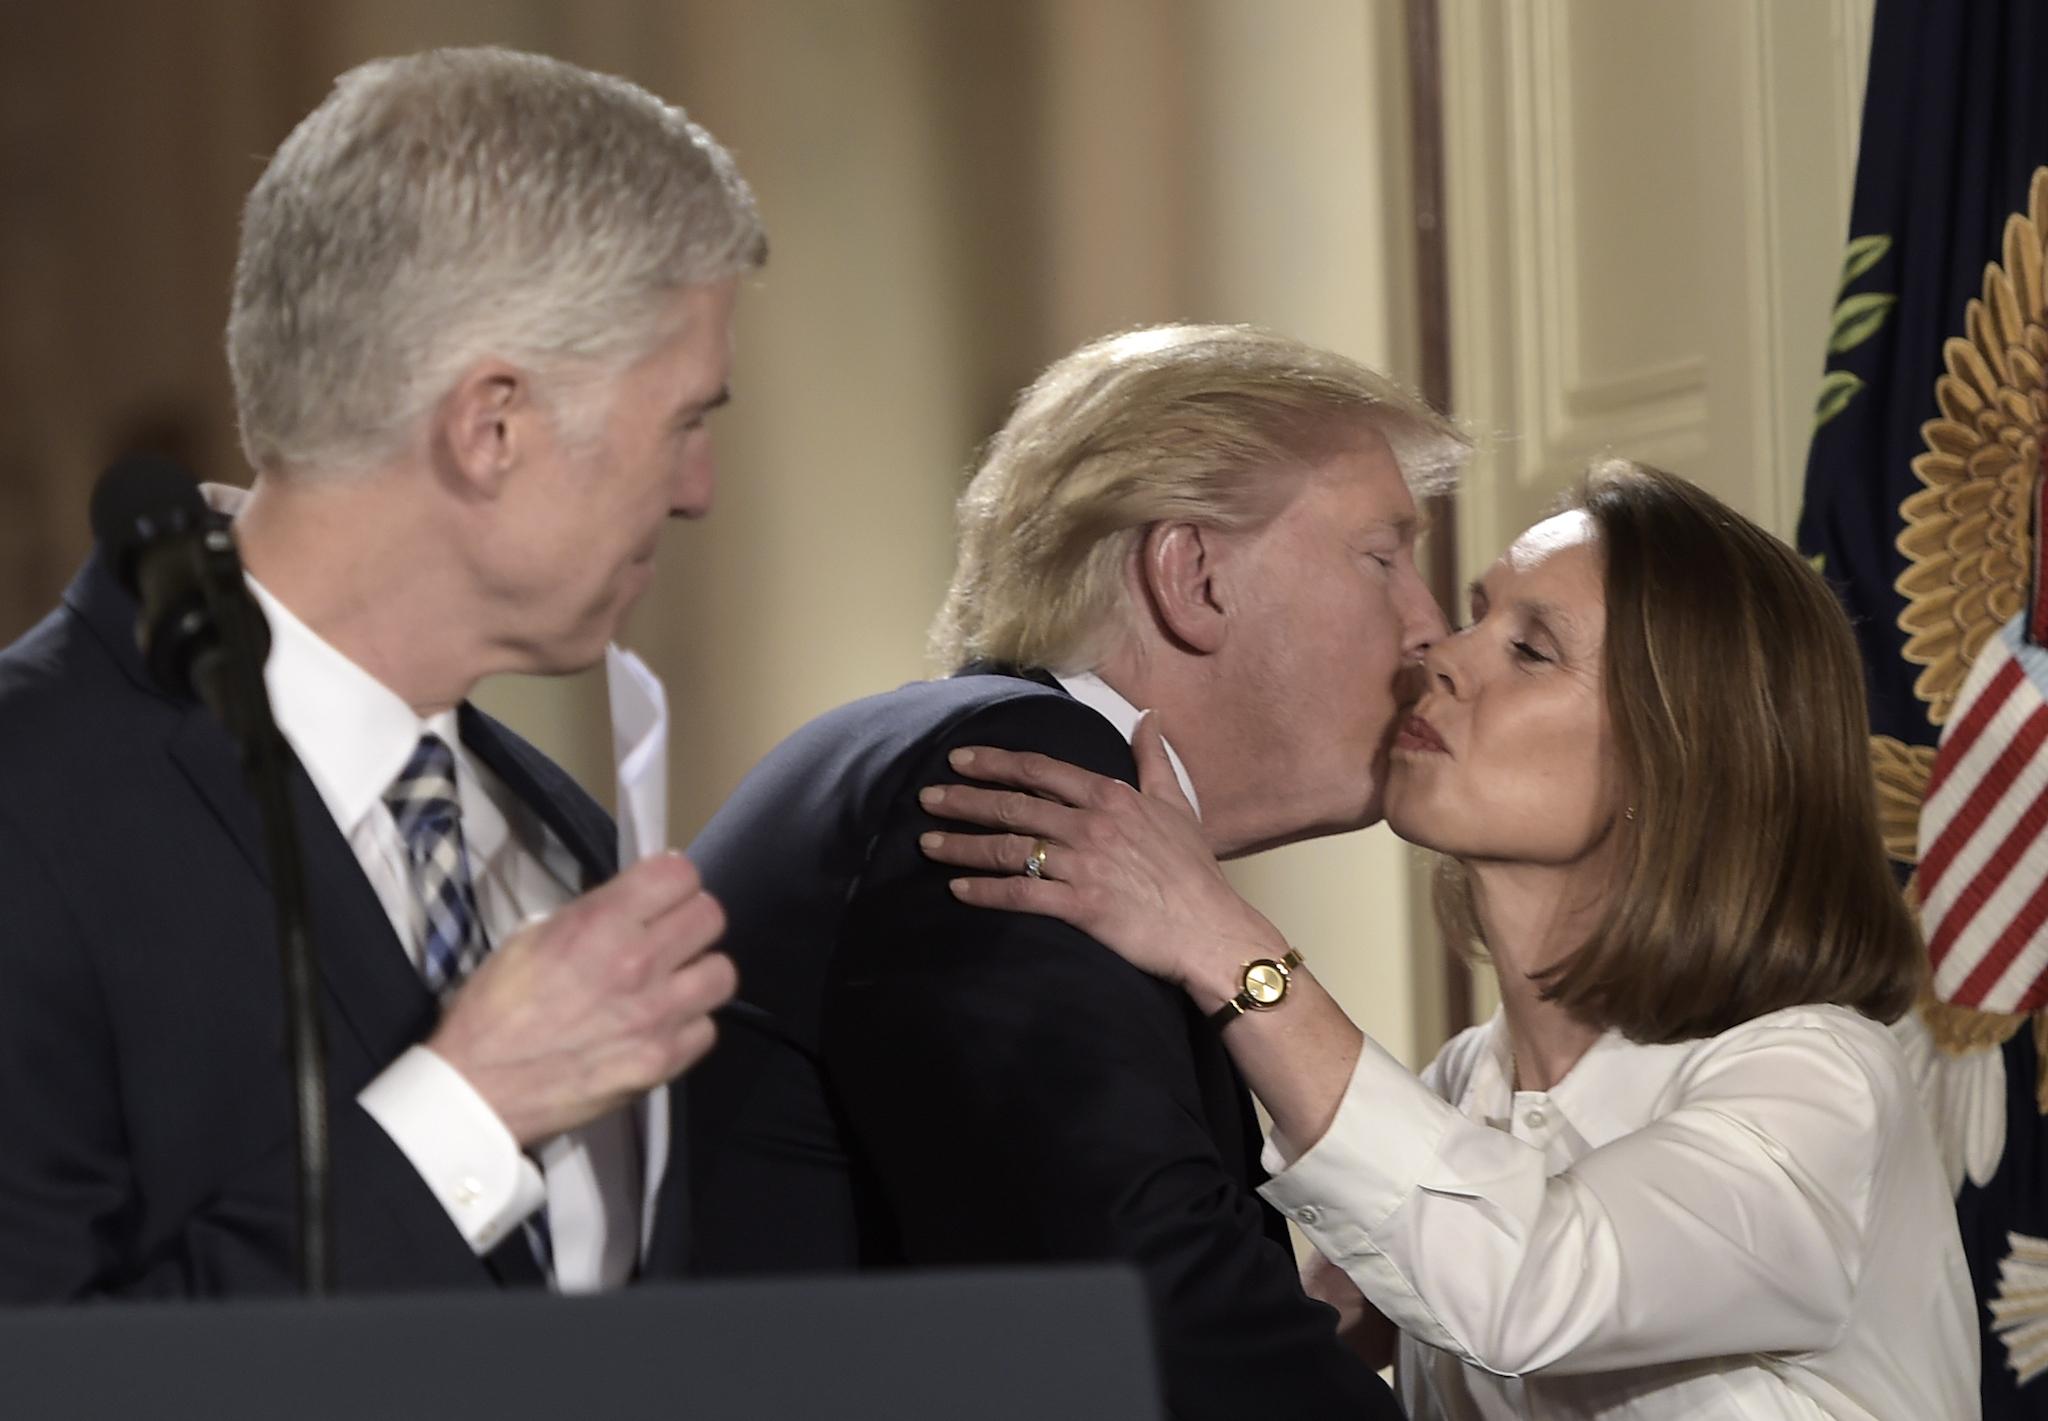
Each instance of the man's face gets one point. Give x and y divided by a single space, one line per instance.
1331 614
582 531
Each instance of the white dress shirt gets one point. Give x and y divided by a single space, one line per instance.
1753 1225
354 735
1108 702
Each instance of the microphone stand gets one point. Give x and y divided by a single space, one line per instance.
228 674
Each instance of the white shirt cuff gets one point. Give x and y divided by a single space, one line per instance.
1382 1146
458 1144
1382 1143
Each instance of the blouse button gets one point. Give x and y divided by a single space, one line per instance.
1534 1117
1308 1214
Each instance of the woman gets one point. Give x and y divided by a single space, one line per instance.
1683 1171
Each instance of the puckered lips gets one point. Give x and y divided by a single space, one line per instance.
1419 736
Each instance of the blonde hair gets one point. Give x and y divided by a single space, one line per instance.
1210 424
1752 875
456 204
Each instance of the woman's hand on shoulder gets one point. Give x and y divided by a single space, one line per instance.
1127 866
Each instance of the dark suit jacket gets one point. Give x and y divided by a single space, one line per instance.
145 1128
922 1082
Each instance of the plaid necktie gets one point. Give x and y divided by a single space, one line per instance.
423 802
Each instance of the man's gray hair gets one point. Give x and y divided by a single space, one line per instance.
458 204
1210 424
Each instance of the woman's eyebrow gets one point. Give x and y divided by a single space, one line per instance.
1553 617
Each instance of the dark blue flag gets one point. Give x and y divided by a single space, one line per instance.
1923 494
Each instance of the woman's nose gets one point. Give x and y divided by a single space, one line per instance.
1441 663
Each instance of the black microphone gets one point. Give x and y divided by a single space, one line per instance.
176 556
202 634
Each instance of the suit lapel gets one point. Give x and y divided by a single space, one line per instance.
365 968
563 805
363 965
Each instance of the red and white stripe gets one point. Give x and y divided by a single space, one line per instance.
1983 877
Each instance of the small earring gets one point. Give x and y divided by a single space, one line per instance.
1629 814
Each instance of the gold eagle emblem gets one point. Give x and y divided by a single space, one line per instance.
1968 542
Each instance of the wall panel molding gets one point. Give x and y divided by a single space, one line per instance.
1529 372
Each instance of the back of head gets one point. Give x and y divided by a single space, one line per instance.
1204 423
457 204
1752 875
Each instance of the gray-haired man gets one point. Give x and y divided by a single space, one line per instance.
482 309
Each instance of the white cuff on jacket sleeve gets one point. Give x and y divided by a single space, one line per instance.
1382 1143
458 1144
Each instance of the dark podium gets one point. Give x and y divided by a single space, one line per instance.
1022 1345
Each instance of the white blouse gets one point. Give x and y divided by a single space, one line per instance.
1752 1225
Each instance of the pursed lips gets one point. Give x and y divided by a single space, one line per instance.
1418 734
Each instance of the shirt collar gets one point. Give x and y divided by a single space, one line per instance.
1099 696
1612 1090
351 731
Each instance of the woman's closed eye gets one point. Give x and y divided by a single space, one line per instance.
1527 653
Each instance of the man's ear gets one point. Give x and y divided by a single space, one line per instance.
482 427
1177 564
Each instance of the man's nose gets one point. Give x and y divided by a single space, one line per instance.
694 488
1422 621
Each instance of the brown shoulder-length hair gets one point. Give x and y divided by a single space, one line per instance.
1751 876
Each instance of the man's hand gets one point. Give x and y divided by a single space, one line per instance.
607 998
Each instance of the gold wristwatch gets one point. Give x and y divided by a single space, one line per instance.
1264 987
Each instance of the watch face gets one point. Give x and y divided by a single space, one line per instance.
1265 982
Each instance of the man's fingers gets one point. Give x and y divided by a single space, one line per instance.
697 988
676 1012
647 890
685 931
694 1043
631 1065
607 998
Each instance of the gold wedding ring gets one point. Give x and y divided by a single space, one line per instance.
1034 867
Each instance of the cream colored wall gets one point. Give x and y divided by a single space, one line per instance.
1647 209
